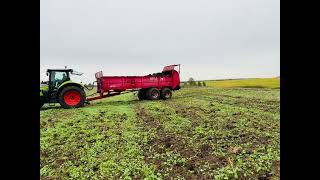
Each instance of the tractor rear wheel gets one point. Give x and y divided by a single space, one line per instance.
72 97
153 94
166 93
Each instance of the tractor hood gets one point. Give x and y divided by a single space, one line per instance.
43 87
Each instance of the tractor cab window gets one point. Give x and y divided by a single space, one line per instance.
57 78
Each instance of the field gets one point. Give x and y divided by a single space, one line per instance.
246 83
201 133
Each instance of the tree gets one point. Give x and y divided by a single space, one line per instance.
204 83
199 83
191 82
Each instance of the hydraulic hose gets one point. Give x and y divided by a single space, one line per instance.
91 86
91 89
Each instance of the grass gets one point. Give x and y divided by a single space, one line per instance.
201 133
246 83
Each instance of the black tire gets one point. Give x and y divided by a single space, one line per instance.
142 94
72 103
153 94
166 93
41 102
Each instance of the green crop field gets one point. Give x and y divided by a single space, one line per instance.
247 83
201 133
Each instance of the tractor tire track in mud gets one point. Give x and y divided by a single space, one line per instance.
165 141
272 106
261 121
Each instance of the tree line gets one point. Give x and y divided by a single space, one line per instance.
192 82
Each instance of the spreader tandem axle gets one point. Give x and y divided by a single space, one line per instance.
60 89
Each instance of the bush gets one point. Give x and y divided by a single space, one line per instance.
204 83
191 82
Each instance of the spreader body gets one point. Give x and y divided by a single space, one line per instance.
166 79
152 86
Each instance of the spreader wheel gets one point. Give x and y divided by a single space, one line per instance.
153 94
166 93
142 94
72 97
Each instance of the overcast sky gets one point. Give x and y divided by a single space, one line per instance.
212 39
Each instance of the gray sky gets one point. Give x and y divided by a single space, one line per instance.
211 39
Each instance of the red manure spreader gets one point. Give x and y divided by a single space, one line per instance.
150 87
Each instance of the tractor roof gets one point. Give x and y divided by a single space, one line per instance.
60 70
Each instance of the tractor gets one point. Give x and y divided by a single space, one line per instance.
60 89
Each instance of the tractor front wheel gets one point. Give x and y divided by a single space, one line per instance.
72 97
41 102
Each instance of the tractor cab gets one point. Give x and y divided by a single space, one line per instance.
58 77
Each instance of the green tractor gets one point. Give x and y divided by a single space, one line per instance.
60 89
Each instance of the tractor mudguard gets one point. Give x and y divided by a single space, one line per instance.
70 82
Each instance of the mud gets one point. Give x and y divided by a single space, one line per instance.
165 141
